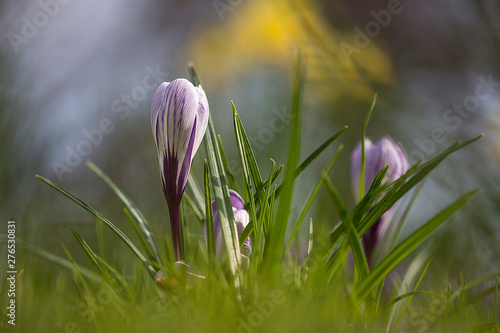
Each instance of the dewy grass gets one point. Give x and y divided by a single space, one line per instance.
269 289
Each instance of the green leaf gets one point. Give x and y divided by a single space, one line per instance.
104 220
310 244
220 189
41 253
410 294
109 274
230 177
80 283
337 234
495 301
137 231
313 156
197 196
273 252
194 207
246 154
209 217
146 235
318 151
412 273
363 152
489 327
407 303
401 251
223 202
399 227
265 211
245 148
275 175
101 242
249 228
311 198
360 261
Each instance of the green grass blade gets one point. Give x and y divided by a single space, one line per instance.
209 217
80 283
193 74
379 296
246 167
104 220
311 198
101 242
481 295
357 213
196 196
223 202
230 177
360 261
490 327
374 191
412 293
310 244
109 274
200 215
139 236
263 216
412 273
495 299
406 247
64 263
273 253
244 146
249 228
318 151
275 175
221 194
313 156
363 152
407 303
406 213
474 283
140 220
269 222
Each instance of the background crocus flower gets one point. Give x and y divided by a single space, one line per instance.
179 118
241 218
378 156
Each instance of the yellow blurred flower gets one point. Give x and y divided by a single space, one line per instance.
267 32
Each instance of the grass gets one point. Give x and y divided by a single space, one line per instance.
269 290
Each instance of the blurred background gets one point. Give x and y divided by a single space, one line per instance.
77 78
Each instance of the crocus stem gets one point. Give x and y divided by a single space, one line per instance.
176 235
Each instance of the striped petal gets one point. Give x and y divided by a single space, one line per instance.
179 117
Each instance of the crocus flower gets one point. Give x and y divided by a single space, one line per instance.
179 118
378 156
241 218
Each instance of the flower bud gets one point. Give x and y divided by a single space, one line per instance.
241 218
378 156
179 118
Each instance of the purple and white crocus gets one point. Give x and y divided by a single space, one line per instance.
241 218
179 118
377 156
